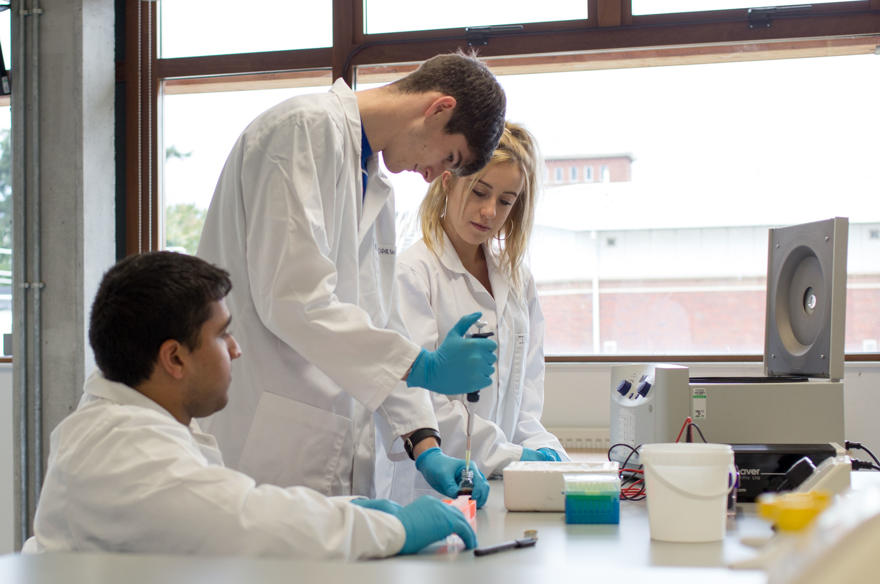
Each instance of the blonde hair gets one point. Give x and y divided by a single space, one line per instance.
519 147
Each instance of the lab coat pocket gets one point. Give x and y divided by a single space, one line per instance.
293 443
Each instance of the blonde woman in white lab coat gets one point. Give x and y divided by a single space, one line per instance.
475 233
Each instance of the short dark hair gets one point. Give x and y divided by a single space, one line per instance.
480 101
145 300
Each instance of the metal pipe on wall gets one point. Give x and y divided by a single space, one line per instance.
28 361
20 258
36 269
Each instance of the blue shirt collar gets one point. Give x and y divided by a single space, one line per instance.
366 152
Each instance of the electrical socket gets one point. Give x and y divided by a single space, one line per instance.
583 438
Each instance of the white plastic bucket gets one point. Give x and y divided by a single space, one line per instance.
687 485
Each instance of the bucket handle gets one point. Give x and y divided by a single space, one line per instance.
680 491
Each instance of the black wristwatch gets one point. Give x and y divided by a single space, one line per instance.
410 441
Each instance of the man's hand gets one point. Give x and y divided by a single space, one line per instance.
425 521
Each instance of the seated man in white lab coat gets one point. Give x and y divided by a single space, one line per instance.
130 471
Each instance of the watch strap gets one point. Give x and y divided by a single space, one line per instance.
410 441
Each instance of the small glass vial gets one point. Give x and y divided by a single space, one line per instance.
466 485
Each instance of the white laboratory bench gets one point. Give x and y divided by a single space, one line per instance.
564 553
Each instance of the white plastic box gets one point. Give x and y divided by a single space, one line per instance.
539 486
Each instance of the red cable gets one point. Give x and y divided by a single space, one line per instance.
687 421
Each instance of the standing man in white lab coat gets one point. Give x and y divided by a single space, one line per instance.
131 471
303 219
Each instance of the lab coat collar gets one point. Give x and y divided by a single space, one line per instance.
100 387
349 102
378 186
500 283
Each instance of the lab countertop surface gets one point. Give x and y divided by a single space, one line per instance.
564 553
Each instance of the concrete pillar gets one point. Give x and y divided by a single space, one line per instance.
70 114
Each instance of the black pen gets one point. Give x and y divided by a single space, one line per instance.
528 541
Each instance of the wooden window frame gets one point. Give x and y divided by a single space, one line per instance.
611 37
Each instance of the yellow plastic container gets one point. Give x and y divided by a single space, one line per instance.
792 511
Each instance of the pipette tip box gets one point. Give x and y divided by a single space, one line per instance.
592 498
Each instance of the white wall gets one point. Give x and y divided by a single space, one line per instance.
8 452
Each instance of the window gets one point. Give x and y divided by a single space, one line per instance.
5 220
588 174
666 248
670 6
676 258
199 130
382 16
5 191
189 28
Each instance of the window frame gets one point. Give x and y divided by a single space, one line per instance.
611 37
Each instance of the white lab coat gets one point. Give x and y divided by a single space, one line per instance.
125 476
313 302
434 293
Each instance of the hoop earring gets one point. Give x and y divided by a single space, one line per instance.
445 203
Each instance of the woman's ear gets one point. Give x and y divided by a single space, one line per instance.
446 180
171 358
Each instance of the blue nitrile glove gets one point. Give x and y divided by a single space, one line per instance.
459 365
443 473
427 520
541 454
551 454
379 504
531 455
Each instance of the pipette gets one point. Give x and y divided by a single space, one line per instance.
466 485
